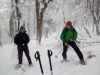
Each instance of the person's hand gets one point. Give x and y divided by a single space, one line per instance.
23 44
71 40
66 44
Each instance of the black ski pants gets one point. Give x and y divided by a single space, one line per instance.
76 49
24 49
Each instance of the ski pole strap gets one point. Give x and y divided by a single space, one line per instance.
50 53
37 57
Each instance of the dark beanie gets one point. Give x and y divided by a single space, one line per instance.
22 28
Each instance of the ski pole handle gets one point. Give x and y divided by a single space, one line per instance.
50 53
37 55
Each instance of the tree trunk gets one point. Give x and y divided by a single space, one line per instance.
39 16
18 14
14 22
11 21
0 37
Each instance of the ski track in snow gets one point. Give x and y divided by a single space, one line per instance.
7 62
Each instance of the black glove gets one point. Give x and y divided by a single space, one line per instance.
19 46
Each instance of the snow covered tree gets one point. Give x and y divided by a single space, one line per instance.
35 14
41 6
14 22
94 6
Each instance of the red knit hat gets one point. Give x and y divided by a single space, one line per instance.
69 23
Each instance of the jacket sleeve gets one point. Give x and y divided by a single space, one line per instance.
75 34
27 39
16 39
62 36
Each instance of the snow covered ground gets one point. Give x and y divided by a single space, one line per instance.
91 55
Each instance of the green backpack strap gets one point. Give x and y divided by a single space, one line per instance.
73 32
65 31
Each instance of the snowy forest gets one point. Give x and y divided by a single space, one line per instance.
44 21
45 17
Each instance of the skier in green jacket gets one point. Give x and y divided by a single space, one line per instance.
68 36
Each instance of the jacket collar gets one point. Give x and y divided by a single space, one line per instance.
69 29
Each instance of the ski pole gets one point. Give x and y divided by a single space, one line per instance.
56 56
50 53
37 57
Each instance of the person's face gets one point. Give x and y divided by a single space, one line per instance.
22 30
68 26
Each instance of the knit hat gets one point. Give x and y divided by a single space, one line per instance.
22 28
69 23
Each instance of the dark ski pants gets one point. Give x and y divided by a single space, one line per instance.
76 49
20 54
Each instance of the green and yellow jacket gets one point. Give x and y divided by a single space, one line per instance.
17 32
68 34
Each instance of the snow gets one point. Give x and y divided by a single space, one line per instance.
46 25
74 10
7 62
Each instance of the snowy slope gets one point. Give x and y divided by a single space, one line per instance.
7 62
